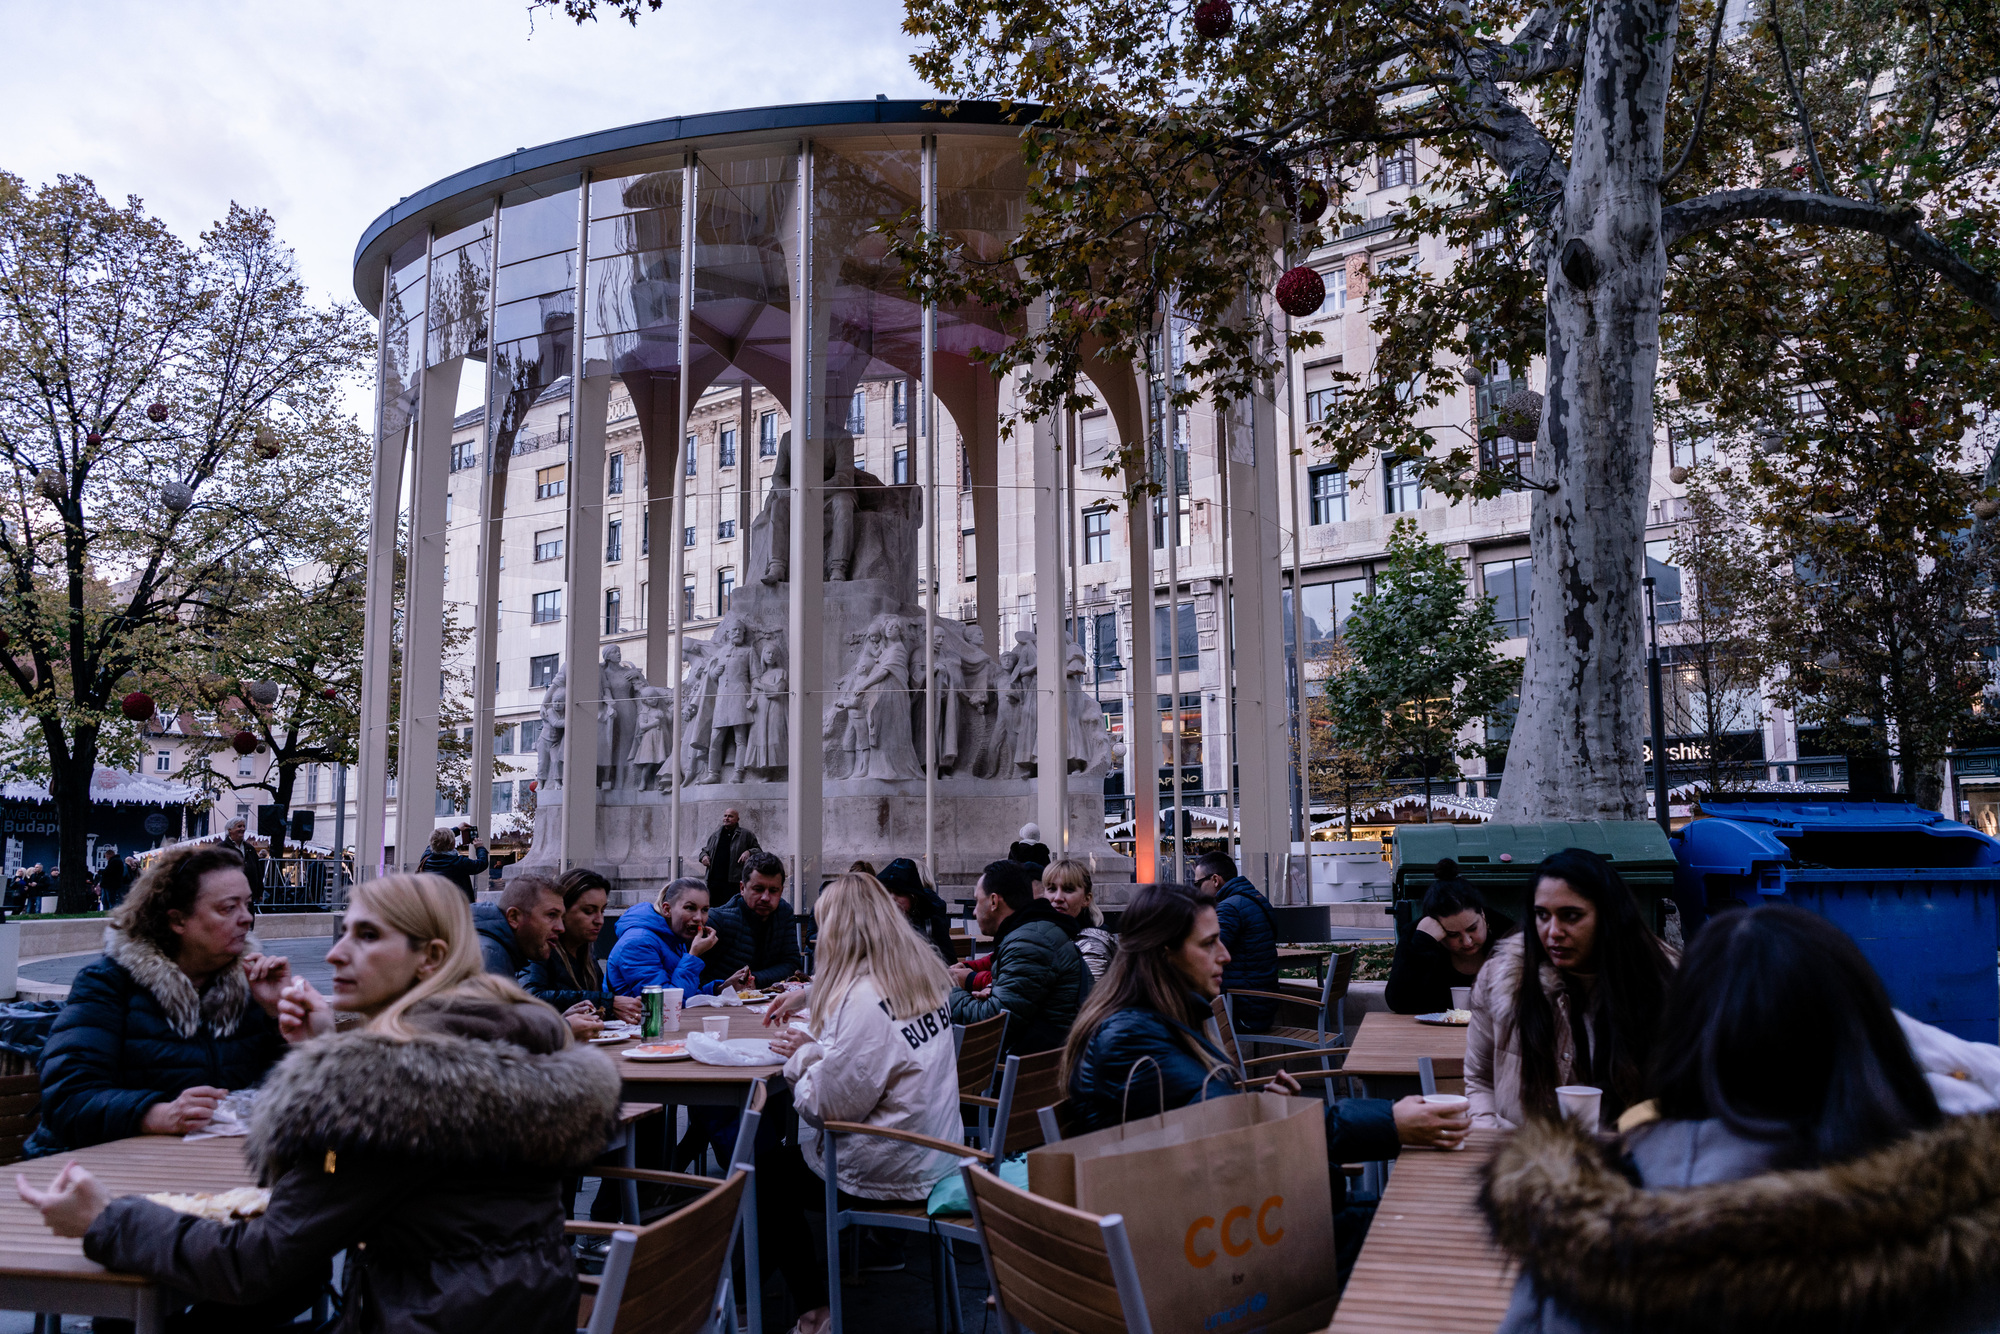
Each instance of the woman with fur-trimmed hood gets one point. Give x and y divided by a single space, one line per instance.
1793 1172
430 1145
178 1012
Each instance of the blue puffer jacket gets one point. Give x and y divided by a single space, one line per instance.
1247 930
136 1032
650 954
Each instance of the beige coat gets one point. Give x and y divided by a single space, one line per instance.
1492 1050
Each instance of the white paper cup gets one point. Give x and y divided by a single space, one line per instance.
1581 1103
1461 998
715 1025
670 1010
1456 1101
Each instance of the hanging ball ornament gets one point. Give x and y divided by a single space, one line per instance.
1521 415
93 440
1986 509
177 496
1677 474
137 706
1301 291
265 693
156 412
262 748
50 484
266 443
330 693
1214 19
1313 200
243 743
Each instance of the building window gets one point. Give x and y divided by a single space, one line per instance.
463 455
1397 167
614 477
503 798
860 461
1189 735
1320 402
688 536
726 531
1336 291
725 451
551 482
646 531
1686 448
612 599
541 671
1328 490
687 599
1104 646
899 403
725 585
968 557
857 412
725 528
614 540
503 740
1666 579
549 544
531 734
1164 642
688 466
767 435
245 768
1507 583
1403 488
1096 535
163 761
899 462
548 606
1184 529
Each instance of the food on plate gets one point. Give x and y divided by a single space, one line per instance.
221 1206
1457 1016
659 1049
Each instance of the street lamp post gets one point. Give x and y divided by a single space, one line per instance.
1659 704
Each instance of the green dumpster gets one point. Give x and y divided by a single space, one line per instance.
1500 861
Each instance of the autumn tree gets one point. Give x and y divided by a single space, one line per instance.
166 411
1717 641
1347 765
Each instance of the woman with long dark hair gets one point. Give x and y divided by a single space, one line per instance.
1793 1171
1447 947
1575 999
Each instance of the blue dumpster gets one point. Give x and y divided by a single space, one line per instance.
1915 890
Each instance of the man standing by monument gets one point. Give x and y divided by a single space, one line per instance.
723 856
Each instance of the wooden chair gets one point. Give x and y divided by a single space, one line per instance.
20 1112
671 1277
1332 1025
979 1047
1051 1267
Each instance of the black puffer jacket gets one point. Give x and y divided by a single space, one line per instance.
563 979
437 1160
767 946
136 1032
1247 929
1039 979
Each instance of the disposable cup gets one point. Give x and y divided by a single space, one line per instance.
670 1010
716 1025
1580 1103
1461 998
1457 1101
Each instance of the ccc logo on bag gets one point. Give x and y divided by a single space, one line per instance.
1240 1228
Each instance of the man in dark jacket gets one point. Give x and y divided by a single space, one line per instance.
1039 976
236 839
112 881
442 858
921 906
723 856
521 927
757 938
1250 936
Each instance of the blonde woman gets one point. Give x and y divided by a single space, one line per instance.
878 1051
430 1145
1066 885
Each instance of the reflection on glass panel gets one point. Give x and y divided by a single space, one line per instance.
1666 580
981 187
461 274
534 329
402 334
633 327
745 242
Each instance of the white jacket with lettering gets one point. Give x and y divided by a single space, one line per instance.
880 1071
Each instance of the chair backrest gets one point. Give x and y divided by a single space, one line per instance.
1225 1027
745 1152
1339 975
1059 1122
1052 1267
665 1280
1303 923
979 1054
1027 1084
20 1112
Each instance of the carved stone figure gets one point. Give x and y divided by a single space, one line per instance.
649 750
1089 743
549 746
999 757
869 722
1028 709
733 708
777 517
770 733
618 718
947 689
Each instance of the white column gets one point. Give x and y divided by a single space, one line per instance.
1051 725
423 619
590 397
1262 745
489 514
804 621
1142 728
377 635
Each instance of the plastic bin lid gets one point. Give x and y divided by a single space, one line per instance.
1630 845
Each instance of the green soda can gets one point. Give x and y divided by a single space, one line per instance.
654 1021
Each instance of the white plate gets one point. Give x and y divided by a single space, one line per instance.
1438 1020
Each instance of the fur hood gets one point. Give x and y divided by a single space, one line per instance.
221 1006
475 1090
1887 1241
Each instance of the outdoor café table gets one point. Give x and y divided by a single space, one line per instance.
1428 1264
41 1272
1386 1047
677 1084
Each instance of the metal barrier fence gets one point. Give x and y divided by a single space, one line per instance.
303 884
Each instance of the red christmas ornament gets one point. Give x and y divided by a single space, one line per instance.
137 706
1798 173
93 440
330 693
1313 199
1301 291
533 785
244 742
1214 19
156 412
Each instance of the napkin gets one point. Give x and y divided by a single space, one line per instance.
696 1002
232 1117
715 1051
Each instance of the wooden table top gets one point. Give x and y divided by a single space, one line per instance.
1428 1264
744 1022
1389 1044
140 1166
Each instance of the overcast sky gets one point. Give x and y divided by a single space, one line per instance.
326 112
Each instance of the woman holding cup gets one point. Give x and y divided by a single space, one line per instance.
1575 1001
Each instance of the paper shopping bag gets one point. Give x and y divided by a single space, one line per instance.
1228 1206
